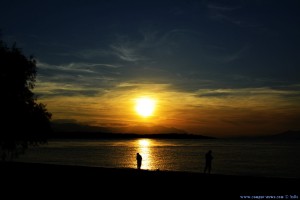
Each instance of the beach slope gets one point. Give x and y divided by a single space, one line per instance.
75 181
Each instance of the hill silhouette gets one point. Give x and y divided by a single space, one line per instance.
287 135
78 131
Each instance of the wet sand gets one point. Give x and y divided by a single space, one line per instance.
57 181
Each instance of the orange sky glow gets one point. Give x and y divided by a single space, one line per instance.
233 112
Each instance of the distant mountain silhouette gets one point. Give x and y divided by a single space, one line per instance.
287 135
80 131
74 127
150 130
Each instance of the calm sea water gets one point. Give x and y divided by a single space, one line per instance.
232 157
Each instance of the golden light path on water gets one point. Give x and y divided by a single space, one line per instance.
145 151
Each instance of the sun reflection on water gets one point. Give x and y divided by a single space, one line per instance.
144 148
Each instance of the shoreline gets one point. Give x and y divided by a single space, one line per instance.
171 183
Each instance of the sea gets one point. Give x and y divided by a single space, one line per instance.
250 157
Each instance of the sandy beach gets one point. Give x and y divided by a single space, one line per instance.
74 181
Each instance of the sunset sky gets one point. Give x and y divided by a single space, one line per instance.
218 68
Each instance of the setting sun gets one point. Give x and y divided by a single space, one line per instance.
145 106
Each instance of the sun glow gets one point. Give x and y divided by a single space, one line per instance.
145 106
143 143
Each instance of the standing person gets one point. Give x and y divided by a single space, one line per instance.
208 161
139 160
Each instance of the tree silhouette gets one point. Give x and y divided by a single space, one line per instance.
24 122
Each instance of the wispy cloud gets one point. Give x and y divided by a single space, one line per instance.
126 53
220 7
86 79
151 45
77 69
227 14
71 67
246 92
224 13
92 53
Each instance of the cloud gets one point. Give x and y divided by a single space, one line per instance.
75 92
83 79
92 53
219 7
151 46
157 56
76 67
46 89
70 68
126 53
229 13
223 13
244 92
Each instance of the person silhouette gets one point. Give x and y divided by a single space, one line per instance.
208 161
139 160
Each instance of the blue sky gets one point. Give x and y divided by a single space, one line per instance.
230 64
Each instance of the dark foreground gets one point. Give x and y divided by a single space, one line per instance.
41 181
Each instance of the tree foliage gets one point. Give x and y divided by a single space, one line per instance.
24 122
